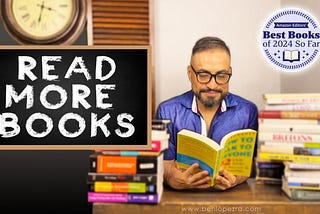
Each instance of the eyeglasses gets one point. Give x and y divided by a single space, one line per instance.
204 76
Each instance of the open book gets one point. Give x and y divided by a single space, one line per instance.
291 55
235 152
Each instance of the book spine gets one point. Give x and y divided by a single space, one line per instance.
289 137
147 178
288 157
311 145
282 144
159 126
270 164
308 179
290 150
270 114
268 181
306 194
305 185
93 163
308 145
291 95
123 187
158 145
123 197
270 173
291 100
128 153
306 151
288 121
290 128
123 164
156 123
299 166
107 197
301 173
301 186
117 164
294 107
301 194
159 134
289 114
143 198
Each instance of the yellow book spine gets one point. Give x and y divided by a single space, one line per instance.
119 187
288 157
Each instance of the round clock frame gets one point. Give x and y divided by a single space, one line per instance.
65 36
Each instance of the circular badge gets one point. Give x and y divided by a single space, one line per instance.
290 39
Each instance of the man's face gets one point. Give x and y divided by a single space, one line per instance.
215 61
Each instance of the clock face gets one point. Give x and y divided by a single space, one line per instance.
43 18
43 21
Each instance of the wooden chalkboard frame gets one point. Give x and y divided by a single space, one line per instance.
144 137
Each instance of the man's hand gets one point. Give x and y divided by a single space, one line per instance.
225 180
187 179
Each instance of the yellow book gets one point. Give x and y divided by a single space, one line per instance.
235 152
289 157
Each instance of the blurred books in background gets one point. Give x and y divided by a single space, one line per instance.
289 144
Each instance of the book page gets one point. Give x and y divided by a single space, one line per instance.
238 151
192 150
287 55
294 55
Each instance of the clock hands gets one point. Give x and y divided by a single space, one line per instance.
41 9
42 6
45 7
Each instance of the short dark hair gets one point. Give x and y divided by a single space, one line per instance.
208 43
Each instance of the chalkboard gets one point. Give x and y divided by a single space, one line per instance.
77 97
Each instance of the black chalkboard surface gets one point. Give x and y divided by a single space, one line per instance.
77 97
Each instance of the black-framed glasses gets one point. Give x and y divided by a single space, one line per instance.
203 76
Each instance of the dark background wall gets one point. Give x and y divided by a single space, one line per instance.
43 181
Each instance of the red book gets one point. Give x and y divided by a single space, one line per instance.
289 114
159 145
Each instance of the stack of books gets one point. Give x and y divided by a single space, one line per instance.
269 171
159 135
301 181
289 130
133 176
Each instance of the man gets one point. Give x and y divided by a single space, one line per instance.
210 109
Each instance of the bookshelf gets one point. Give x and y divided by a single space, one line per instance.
258 198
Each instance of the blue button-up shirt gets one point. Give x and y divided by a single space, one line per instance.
234 113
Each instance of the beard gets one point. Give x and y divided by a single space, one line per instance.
210 101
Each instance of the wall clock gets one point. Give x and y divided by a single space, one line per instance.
44 22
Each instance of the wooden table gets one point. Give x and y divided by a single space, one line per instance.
245 198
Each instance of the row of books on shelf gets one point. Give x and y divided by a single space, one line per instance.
134 176
289 144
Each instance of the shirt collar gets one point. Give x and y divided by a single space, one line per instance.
194 108
194 105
